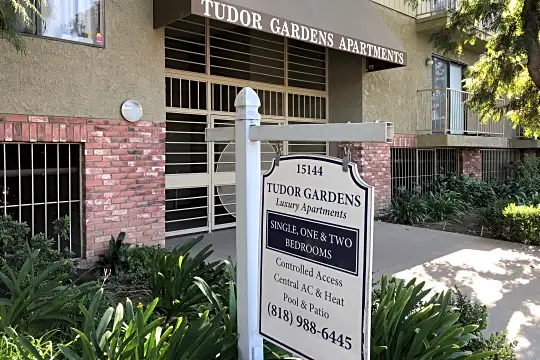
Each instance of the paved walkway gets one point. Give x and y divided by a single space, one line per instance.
502 275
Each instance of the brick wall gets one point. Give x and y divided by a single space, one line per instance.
375 166
471 160
123 178
404 140
373 160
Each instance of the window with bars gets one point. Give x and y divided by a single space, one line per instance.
40 184
497 163
413 167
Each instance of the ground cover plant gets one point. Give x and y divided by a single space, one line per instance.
160 304
507 210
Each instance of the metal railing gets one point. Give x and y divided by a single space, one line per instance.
435 7
445 111
439 8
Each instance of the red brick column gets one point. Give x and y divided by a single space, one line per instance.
471 160
123 178
373 160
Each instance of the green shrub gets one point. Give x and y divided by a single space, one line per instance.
407 207
116 257
138 268
133 332
496 341
402 328
176 279
472 312
444 205
36 297
473 192
522 223
413 207
403 303
15 238
511 222
9 348
13 234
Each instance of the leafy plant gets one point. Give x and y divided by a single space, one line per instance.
444 205
139 266
116 257
400 329
9 348
61 228
522 223
129 332
176 279
14 240
495 342
14 12
12 234
224 299
407 207
472 312
473 192
35 297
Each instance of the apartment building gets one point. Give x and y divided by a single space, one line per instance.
436 131
103 118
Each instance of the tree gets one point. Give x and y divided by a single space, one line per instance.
13 15
510 67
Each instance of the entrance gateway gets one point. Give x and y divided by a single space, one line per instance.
306 266
301 59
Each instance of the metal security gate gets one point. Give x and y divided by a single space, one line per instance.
418 168
208 63
497 163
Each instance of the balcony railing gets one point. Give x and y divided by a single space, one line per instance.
445 111
438 8
435 7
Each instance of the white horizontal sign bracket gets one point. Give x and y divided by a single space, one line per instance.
348 132
219 134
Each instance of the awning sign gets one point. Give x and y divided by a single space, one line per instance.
316 251
241 16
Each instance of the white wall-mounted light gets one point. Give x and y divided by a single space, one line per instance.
131 110
429 61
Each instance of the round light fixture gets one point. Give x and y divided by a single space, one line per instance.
429 61
132 110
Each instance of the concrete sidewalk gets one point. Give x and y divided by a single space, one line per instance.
502 275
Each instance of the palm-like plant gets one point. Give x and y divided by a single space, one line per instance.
129 332
36 297
405 328
176 277
14 13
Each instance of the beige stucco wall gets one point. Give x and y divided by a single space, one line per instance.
391 95
64 79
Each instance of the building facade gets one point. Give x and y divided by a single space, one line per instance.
66 149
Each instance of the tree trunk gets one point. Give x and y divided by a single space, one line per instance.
530 19
533 65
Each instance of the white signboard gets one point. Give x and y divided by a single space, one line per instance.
316 253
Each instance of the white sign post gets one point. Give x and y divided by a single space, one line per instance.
312 293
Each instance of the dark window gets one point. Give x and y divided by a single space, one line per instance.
41 183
